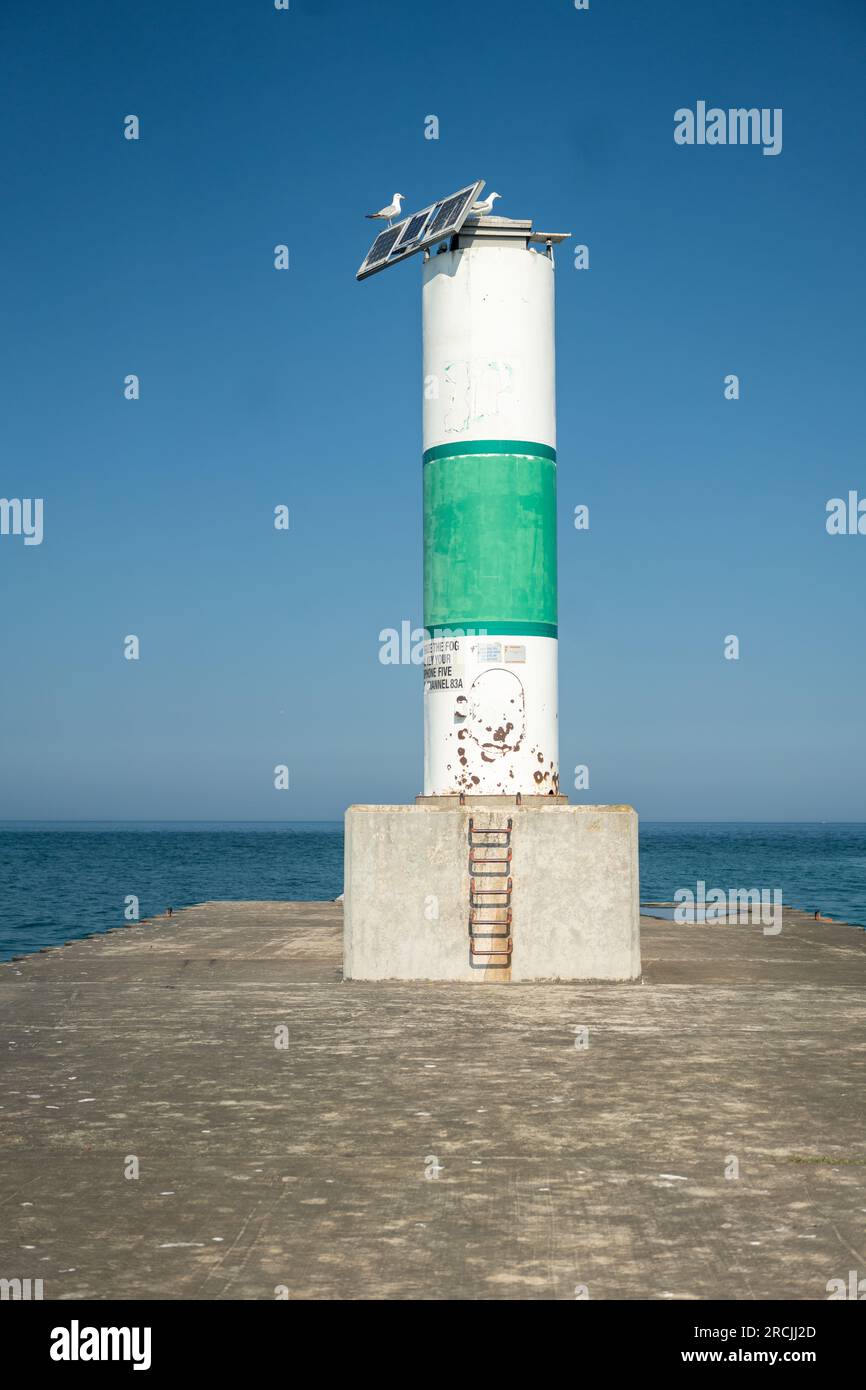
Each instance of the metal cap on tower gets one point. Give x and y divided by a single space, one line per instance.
504 231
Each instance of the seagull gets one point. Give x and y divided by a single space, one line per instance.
392 210
482 209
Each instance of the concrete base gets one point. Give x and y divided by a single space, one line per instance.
564 904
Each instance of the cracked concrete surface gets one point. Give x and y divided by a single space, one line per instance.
301 1171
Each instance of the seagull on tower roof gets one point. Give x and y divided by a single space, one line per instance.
392 210
482 209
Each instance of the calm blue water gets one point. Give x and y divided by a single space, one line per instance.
816 865
58 881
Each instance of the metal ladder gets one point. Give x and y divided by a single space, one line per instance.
490 856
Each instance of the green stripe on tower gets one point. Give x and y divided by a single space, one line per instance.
490 537
480 627
523 447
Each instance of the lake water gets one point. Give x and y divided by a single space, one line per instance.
59 881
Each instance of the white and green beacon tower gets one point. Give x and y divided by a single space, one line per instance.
491 876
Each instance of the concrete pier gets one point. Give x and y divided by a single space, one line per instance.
430 1141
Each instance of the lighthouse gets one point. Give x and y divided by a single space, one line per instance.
489 471
490 876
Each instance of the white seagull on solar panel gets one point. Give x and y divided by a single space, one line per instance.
482 209
392 210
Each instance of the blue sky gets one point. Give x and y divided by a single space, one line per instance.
261 387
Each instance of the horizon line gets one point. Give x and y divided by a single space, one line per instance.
330 820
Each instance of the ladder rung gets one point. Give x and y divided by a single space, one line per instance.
505 951
486 922
489 892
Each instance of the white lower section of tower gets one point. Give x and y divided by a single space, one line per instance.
490 716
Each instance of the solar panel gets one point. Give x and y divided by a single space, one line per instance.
383 243
441 219
413 229
446 214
